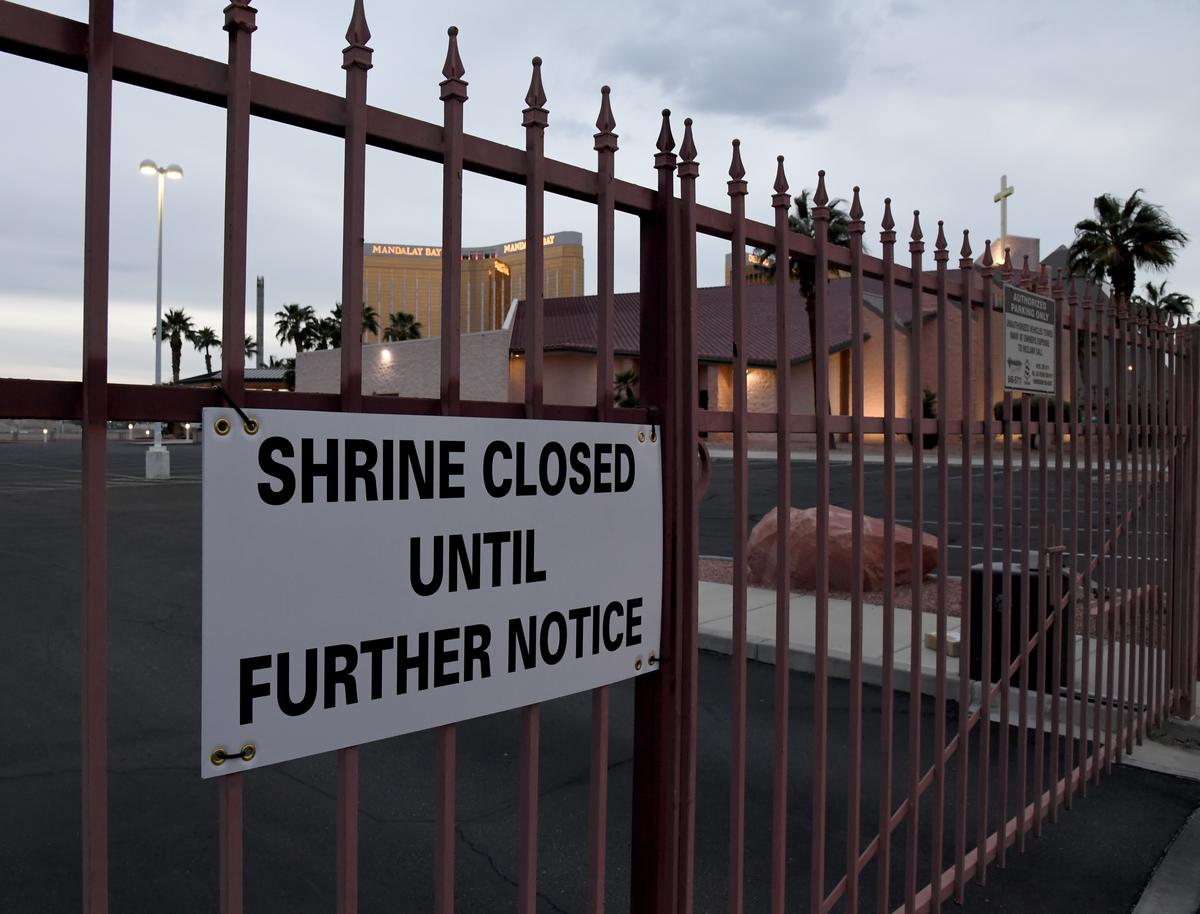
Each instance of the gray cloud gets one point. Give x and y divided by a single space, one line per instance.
770 64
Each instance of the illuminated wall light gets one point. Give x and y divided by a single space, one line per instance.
385 355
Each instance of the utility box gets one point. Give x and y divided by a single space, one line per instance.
993 616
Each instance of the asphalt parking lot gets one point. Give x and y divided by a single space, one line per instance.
163 816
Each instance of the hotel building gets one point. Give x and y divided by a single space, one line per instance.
408 277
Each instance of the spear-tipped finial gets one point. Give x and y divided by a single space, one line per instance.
605 122
1007 258
357 34
737 171
940 243
987 253
820 198
965 251
916 235
1024 266
666 140
856 210
453 67
687 151
781 183
536 96
888 222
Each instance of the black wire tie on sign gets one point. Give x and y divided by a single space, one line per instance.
250 425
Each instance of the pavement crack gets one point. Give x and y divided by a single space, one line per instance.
478 851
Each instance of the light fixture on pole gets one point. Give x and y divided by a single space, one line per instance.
158 461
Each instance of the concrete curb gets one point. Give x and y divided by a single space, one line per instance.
1174 886
838 665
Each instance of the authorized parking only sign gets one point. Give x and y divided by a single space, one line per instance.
1028 341
366 575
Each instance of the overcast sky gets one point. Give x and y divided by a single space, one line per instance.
926 102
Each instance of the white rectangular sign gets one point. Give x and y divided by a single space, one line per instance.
369 575
1029 354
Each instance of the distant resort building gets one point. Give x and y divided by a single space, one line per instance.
408 277
495 338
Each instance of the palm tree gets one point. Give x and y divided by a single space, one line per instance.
204 339
292 325
370 322
401 326
250 350
176 326
324 332
1124 236
1168 302
804 269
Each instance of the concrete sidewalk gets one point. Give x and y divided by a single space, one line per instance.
1174 750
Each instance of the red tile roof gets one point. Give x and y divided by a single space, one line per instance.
570 323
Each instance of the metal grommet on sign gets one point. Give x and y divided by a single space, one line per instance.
637 664
641 436
251 426
652 659
220 756
222 426
653 435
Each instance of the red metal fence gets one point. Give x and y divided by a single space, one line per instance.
1123 474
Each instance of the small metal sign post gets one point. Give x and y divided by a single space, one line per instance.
1029 356
366 575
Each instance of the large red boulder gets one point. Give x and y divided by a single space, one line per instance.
802 551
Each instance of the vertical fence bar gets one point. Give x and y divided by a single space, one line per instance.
1091 749
240 24
356 60
689 516
941 256
1055 591
820 347
1157 510
1157 513
1044 582
94 621
653 846
1023 628
1173 527
1072 304
1006 602
856 228
1120 354
965 269
1180 553
887 238
737 190
986 609
1106 648
454 96
605 144
780 202
1141 506
916 248
535 119
1114 412
1192 628
1163 513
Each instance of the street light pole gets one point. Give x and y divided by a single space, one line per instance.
158 461
158 306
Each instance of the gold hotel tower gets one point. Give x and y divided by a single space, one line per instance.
408 277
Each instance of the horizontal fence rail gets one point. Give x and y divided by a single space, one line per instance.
972 753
